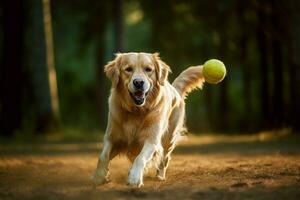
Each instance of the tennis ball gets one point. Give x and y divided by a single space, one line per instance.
214 71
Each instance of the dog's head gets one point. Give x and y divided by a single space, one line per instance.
137 75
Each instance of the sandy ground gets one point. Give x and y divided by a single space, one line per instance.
204 167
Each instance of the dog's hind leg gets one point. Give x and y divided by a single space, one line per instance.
165 159
170 139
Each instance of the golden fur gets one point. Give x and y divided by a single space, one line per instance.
152 129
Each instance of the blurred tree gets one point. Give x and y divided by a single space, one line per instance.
12 67
277 34
94 29
224 14
243 8
161 22
37 60
263 48
293 43
50 58
118 25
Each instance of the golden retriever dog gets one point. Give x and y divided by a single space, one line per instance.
146 113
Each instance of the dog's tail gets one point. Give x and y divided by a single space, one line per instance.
190 79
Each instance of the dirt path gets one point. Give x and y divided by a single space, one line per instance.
210 167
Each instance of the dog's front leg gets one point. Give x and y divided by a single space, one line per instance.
101 174
136 172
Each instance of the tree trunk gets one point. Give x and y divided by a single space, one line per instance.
118 25
294 63
50 58
11 70
277 58
277 116
262 44
101 100
38 64
209 104
246 70
223 105
223 108
246 84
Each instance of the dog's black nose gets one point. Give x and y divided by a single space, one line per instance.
138 83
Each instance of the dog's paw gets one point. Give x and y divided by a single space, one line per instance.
161 174
161 178
135 179
99 179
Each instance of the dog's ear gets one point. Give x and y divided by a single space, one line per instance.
162 70
112 69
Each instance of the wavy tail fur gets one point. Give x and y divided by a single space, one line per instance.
189 80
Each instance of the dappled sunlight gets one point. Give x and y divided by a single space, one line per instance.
218 138
134 16
259 143
49 149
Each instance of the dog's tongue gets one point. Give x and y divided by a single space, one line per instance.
139 97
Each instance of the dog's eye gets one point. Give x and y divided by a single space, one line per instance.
148 69
128 69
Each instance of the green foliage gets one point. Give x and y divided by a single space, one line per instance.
185 33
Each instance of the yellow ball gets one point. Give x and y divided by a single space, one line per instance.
214 71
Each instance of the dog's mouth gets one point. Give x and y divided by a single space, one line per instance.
139 97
